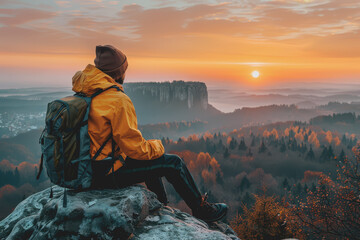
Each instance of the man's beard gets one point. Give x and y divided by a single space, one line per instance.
120 80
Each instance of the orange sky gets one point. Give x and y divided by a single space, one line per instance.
44 42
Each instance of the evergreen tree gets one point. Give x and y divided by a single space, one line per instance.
220 144
343 139
306 136
293 144
2 178
310 155
247 200
249 153
352 143
242 145
257 139
253 142
297 190
262 147
16 177
202 141
245 183
233 143
306 188
324 155
35 182
226 153
291 134
285 184
330 154
342 156
303 148
327 154
219 178
282 147
210 147
313 188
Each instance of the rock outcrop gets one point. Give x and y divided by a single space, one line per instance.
129 213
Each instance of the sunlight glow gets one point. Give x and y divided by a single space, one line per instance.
255 74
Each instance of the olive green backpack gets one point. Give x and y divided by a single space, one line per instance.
65 142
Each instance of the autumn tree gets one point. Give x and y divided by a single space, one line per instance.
267 219
332 209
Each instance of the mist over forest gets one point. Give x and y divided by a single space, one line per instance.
278 142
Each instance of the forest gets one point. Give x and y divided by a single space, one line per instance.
291 175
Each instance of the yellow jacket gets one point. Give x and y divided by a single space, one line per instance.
113 112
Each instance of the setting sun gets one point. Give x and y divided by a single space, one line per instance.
255 74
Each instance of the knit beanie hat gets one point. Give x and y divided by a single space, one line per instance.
111 61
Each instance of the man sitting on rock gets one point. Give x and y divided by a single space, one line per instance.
112 125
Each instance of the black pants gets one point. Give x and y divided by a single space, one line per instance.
172 167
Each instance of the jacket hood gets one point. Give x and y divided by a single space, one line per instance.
91 80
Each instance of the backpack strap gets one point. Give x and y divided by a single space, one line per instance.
110 137
113 143
101 148
40 166
103 90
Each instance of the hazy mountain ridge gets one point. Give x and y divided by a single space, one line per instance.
226 99
162 102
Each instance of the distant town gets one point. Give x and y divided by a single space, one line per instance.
11 124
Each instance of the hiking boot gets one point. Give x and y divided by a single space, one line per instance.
210 212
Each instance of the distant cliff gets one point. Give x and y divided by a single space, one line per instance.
192 95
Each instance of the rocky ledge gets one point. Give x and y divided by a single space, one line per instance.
128 213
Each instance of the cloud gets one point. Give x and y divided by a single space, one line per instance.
6 2
169 31
343 45
64 4
15 17
165 21
196 33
